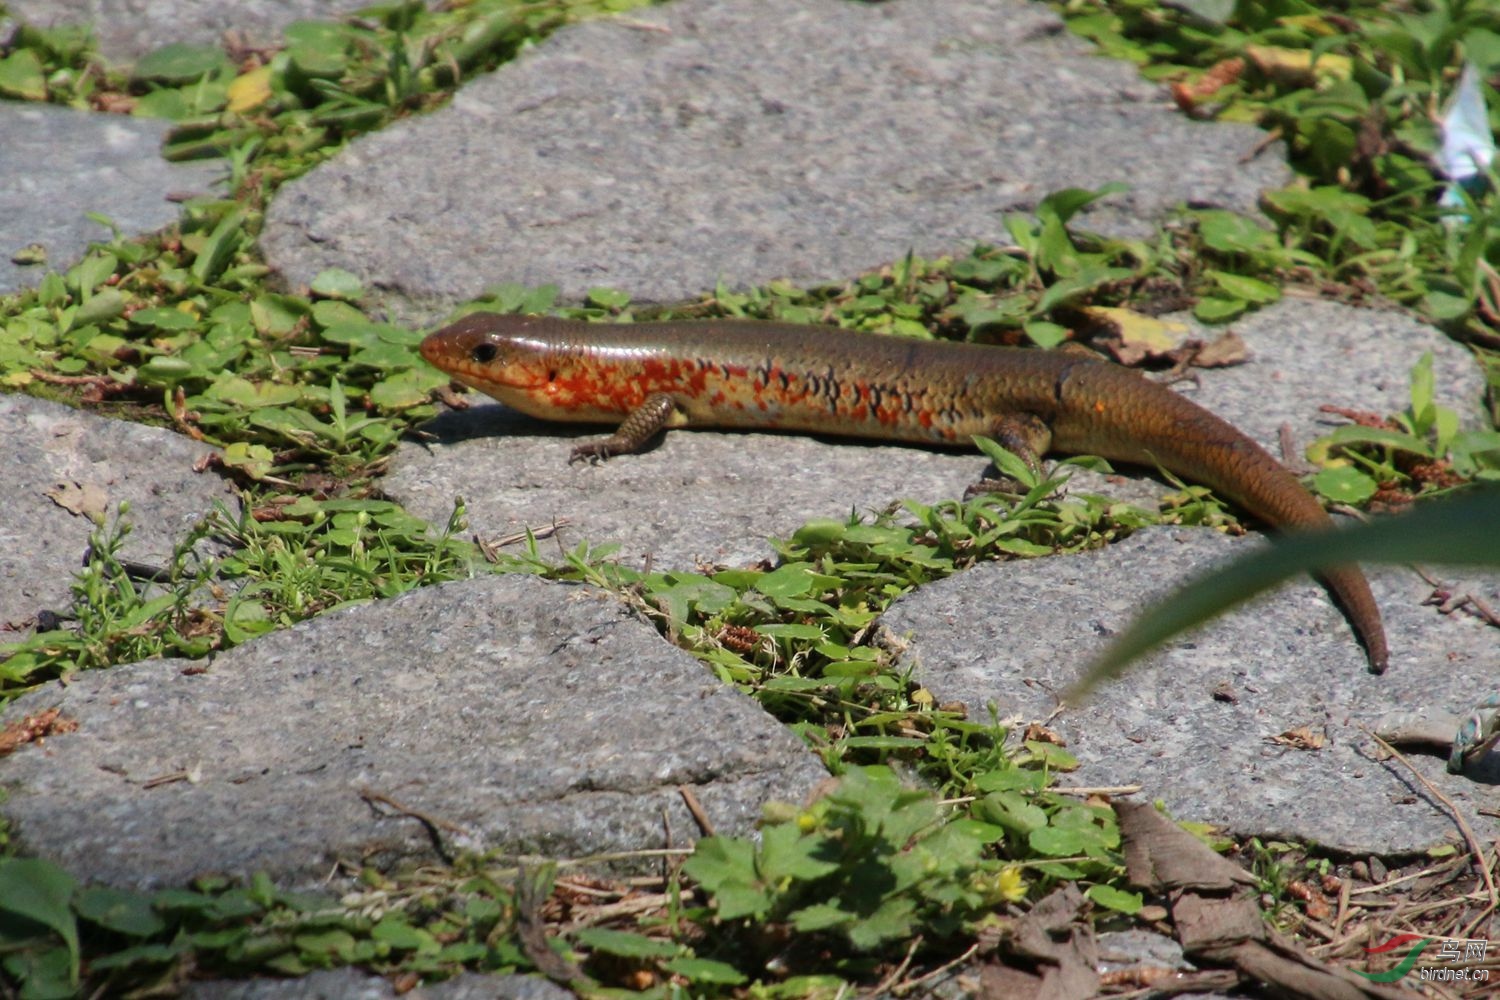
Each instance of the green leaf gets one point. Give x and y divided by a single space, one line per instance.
220 246
1013 811
1066 203
705 970
791 580
123 912
735 901
821 917
1330 143
242 393
1228 232
1007 462
1246 289
608 298
1383 436
47 974
334 942
385 357
21 76
101 307
1115 899
1438 532
717 861
141 954
41 892
1078 285
896 919
1477 450
169 104
402 936
336 283
406 389
180 63
162 318
1345 485
1055 757
360 333
1446 306
1422 384
1045 334
245 619
1212 309
791 630
1010 779
276 314
331 312
255 460
725 868
626 944
91 272
1059 842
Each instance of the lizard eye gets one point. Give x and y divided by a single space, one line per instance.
483 353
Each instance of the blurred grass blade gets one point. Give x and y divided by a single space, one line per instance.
1457 531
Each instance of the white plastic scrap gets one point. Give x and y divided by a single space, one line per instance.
1468 145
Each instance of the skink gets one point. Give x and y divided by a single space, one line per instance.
743 374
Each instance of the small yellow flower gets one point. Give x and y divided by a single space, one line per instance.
1006 885
1010 885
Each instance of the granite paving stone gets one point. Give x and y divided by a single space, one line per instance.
528 717
59 164
1210 725
709 140
60 466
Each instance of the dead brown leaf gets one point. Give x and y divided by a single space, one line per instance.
84 499
1217 920
1050 954
1221 352
1301 738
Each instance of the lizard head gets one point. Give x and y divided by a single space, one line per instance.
534 364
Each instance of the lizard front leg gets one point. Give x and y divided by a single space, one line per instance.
640 426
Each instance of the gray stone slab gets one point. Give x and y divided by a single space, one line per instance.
55 449
59 164
1016 634
1138 949
534 717
749 141
352 984
715 497
128 29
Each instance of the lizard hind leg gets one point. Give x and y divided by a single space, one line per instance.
1024 435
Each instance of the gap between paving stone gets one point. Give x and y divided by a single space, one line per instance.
60 163
748 141
716 497
538 718
128 29
1018 633
91 463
